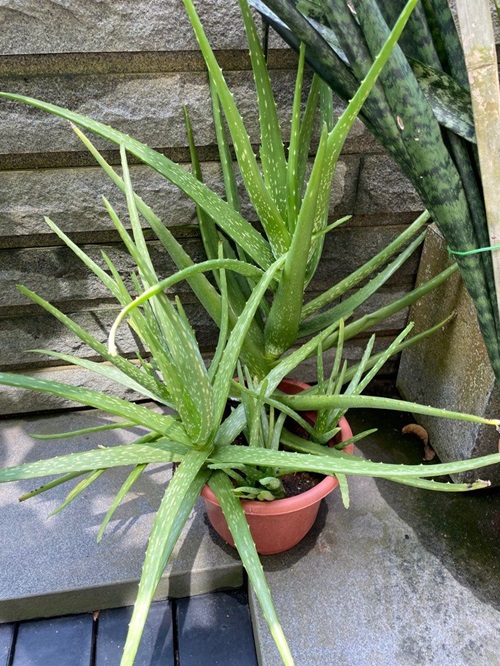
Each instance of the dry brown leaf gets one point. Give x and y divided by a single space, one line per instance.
417 430
420 432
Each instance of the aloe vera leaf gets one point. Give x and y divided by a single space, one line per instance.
366 269
205 292
184 274
129 411
107 371
306 132
125 487
343 463
272 153
347 307
78 490
259 194
231 221
225 157
364 323
162 451
301 445
121 425
293 182
282 324
200 285
244 543
51 484
443 486
147 383
344 489
209 234
415 339
225 370
173 512
311 402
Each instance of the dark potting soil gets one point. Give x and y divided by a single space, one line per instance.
298 482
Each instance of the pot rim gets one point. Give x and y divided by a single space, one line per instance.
289 504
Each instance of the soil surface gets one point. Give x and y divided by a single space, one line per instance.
298 482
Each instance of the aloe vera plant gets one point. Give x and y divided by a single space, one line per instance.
419 109
259 320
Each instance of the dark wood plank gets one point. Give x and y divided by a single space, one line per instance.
215 630
6 639
62 641
156 647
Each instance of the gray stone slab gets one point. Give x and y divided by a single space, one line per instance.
20 334
31 26
53 566
72 198
382 186
118 100
451 369
403 577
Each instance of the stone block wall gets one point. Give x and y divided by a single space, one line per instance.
132 65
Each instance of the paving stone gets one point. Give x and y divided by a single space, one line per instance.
157 643
6 643
215 630
403 577
65 641
53 566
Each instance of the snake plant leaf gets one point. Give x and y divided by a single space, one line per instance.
450 103
129 411
177 502
243 541
163 451
342 463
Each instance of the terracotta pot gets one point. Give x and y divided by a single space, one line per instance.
279 525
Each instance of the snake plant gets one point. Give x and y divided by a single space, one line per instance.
419 110
256 299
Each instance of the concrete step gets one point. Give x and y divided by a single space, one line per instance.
404 577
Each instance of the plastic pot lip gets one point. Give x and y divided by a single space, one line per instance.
281 506
305 499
